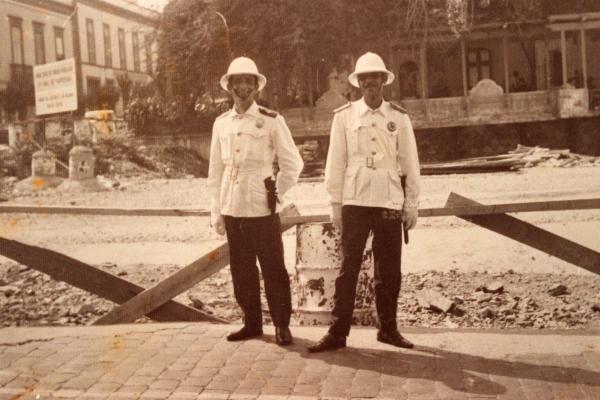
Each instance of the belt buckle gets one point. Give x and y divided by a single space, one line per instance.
370 162
233 173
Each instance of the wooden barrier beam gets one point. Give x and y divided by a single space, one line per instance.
94 280
474 209
531 235
139 212
177 283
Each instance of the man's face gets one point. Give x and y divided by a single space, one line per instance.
371 83
243 87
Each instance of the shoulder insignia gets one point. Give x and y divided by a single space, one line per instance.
398 108
342 107
224 114
267 112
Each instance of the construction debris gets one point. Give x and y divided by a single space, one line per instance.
494 287
434 300
558 290
31 298
521 157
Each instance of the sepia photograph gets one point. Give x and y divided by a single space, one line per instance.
300 199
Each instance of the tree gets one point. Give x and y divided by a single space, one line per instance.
296 43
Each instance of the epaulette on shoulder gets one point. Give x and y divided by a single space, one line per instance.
267 112
398 108
342 107
224 114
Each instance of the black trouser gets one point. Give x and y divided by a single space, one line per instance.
248 239
387 249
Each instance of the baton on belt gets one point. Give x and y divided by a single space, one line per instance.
403 183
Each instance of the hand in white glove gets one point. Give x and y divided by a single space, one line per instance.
336 215
219 225
409 217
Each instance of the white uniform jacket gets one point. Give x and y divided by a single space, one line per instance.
242 152
369 150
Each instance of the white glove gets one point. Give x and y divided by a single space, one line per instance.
219 225
409 217
336 215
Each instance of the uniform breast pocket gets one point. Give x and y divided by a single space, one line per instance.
225 140
258 144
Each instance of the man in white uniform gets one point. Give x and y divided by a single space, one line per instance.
372 150
244 198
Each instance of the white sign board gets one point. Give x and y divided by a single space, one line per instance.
55 87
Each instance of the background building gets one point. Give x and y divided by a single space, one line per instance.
112 41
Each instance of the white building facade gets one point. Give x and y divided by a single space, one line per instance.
111 41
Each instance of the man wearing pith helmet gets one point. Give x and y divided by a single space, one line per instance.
245 198
372 150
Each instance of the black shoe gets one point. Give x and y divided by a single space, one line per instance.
328 342
283 336
244 333
394 338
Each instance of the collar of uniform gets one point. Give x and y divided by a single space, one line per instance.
252 111
363 108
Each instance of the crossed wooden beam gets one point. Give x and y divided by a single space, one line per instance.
156 302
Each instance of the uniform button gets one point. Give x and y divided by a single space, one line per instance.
373 124
239 133
237 150
373 139
373 152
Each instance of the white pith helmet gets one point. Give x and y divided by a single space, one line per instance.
243 65
369 62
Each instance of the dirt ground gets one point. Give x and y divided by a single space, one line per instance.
446 254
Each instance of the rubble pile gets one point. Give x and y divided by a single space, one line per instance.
521 157
433 299
7 185
114 158
117 158
533 156
508 300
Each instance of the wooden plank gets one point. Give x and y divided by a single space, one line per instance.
94 280
533 206
177 283
482 165
139 212
477 209
533 236
556 205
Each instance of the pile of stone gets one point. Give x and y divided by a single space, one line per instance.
500 301
432 299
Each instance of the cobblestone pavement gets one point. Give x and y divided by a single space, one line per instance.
194 361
